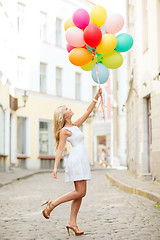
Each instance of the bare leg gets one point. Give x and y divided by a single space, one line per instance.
76 205
78 193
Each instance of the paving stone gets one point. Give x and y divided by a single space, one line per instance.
106 211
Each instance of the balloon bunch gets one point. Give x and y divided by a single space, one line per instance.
92 48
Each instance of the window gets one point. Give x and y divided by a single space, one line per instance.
145 24
43 26
78 86
59 81
21 136
94 91
58 32
43 77
20 18
45 138
21 71
2 131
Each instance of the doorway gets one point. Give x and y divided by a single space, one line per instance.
11 140
149 131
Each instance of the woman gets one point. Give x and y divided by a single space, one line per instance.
77 166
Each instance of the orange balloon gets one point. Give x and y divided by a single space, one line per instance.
68 23
80 56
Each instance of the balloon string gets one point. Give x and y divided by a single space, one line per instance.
101 102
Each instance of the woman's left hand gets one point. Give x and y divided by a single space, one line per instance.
99 92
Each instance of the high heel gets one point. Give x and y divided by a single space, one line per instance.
46 212
75 229
44 203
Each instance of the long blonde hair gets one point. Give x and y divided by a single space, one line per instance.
58 123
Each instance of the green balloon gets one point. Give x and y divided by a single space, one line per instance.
89 65
112 60
124 42
99 57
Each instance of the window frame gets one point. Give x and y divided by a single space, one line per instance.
51 151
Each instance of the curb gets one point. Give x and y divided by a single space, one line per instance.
127 188
24 177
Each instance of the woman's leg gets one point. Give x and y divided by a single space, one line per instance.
78 193
76 203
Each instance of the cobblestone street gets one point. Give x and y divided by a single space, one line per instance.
106 211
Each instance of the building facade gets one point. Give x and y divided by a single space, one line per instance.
35 68
143 102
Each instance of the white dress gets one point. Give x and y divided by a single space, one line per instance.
77 164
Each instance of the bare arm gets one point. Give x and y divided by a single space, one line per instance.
59 151
90 108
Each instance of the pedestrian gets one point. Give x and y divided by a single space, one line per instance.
108 157
77 166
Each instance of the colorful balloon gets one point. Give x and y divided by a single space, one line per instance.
89 65
74 37
99 58
69 47
68 23
107 44
114 23
92 35
124 42
80 56
103 73
112 60
103 30
98 15
81 18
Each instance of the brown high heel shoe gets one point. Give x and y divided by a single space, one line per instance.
46 212
75 229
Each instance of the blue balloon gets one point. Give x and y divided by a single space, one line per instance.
124 42
103 30
103 73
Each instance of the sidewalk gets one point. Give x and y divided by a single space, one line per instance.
132 184
120 178
16 174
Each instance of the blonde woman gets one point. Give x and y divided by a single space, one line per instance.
77 166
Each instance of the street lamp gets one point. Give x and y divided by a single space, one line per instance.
25 98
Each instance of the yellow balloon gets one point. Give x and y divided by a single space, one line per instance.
112 60
89 65
98 15
68 23
107 44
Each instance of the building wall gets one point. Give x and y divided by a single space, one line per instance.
143 67
28 47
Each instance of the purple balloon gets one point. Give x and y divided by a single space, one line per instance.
81 18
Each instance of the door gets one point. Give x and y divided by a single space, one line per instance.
149 130
11 139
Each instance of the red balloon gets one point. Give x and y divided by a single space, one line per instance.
92 35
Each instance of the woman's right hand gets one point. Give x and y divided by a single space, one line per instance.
55 172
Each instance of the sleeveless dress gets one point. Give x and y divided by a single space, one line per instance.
77 164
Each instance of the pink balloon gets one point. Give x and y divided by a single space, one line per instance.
74 37
114 23
69 47
81 18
